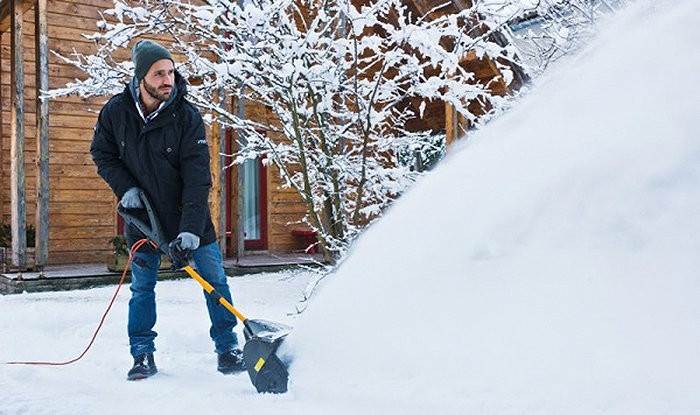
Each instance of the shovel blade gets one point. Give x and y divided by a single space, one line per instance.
267 372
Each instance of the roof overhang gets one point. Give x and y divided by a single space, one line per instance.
5 18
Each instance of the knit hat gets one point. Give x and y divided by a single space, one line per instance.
144 54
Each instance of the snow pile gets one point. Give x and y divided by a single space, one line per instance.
549 265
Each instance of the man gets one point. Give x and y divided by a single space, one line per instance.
149 138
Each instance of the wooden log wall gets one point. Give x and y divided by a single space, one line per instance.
82 211
486 73
81 207
440 116
284 214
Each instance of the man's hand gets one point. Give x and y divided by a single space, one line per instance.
188 241
131 199
180 249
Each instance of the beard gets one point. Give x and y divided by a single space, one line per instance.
157 93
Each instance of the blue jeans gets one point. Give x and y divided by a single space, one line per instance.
142 306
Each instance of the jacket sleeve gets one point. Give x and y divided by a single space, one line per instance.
105 154
196 176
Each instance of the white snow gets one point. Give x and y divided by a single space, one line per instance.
549 266
57 327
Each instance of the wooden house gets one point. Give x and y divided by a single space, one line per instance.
48 180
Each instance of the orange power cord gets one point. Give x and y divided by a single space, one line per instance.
134 248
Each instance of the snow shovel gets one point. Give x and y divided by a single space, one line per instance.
267 371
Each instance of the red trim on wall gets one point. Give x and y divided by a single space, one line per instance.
120 225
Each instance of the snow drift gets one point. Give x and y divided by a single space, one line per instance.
549 265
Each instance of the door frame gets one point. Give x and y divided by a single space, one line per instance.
249 244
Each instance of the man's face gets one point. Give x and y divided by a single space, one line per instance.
158 82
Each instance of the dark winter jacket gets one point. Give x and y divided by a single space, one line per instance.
167 157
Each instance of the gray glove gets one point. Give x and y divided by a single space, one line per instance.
188 241
131 199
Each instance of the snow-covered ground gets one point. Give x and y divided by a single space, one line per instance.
549 265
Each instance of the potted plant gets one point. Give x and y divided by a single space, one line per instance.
121 256
6 247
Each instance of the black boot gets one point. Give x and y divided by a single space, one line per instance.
231 362
144 366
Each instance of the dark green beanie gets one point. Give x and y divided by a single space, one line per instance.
144 54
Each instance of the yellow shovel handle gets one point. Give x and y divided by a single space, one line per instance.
210 290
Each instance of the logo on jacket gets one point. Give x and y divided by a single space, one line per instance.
202 141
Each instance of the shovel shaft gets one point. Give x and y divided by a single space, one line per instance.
212 292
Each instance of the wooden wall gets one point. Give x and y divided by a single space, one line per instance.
486 73
285 211
440 116
82 212
81 206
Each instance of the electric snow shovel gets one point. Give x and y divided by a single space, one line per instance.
267 371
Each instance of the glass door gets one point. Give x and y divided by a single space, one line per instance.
254 207
254 204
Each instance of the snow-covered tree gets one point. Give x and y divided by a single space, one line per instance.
545 30
335 76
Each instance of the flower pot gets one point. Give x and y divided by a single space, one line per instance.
119 261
